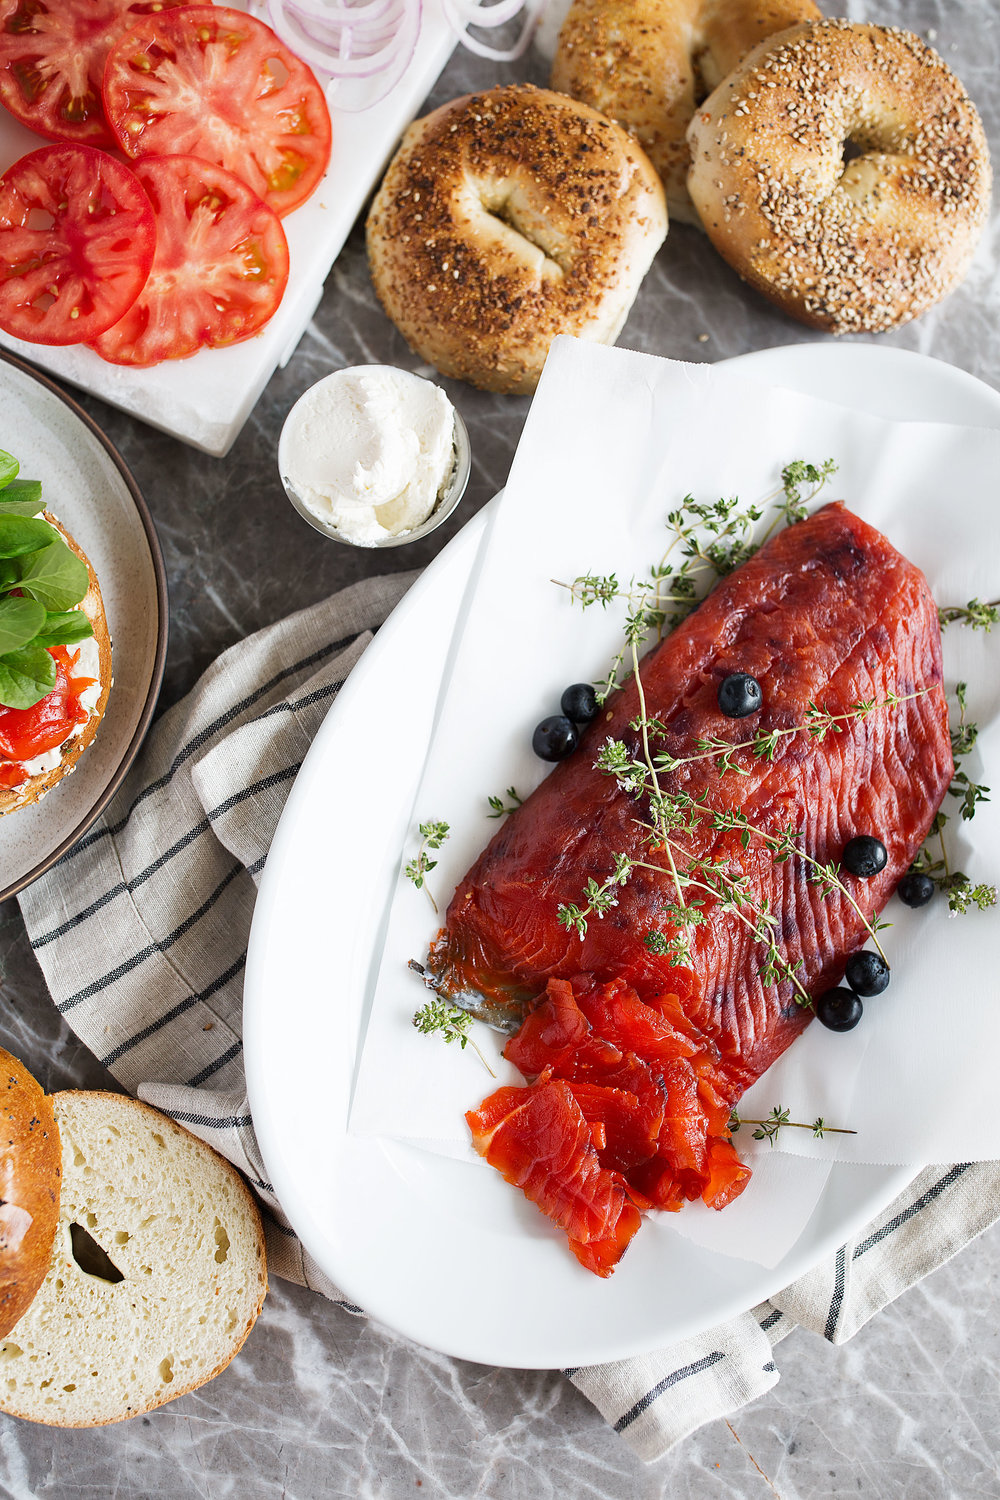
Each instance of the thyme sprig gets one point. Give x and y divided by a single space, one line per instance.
598 896
963 895
710 539
500 808
963 740
432 836
818 723
792 506
824 877
677 812
441 1018
933 859
672 814
769 1129
975 614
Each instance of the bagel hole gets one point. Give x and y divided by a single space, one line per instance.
852 149
91 1258
509 217
498 201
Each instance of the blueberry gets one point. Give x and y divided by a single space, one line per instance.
839 1010
867 973
739 695
915 889
579 703
864 856
555 738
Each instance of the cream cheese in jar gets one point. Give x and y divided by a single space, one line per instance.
368 453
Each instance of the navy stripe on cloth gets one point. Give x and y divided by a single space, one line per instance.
128 886
125 885
916 1207
174 1012
214 1067
293 705
675 1378
230 1122
839 1282
288 773
96 985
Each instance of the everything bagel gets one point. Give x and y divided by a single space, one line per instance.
504 219
843 171
649 63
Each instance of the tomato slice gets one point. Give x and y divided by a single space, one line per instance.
76 244
220 267
52 55
212 82
27 732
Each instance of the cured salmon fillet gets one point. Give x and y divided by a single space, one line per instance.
828 615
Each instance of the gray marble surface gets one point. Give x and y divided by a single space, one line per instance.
324 1404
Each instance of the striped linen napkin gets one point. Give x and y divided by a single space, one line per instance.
141 931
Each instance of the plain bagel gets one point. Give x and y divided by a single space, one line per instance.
650 63
843 171
506 218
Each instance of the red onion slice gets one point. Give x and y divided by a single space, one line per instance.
465 13
365 45
476 13
377 38
351 44
335 14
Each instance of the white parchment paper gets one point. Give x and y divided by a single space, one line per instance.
613 441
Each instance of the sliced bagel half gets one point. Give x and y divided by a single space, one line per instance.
156 1277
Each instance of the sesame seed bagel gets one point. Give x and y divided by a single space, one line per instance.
504 219
649 63
843 171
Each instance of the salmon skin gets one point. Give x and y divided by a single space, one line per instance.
825 615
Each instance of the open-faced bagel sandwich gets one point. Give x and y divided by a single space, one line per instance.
55 646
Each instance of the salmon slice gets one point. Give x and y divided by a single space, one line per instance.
541 1142
601 1133
826 614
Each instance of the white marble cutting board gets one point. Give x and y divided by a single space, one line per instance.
206 399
